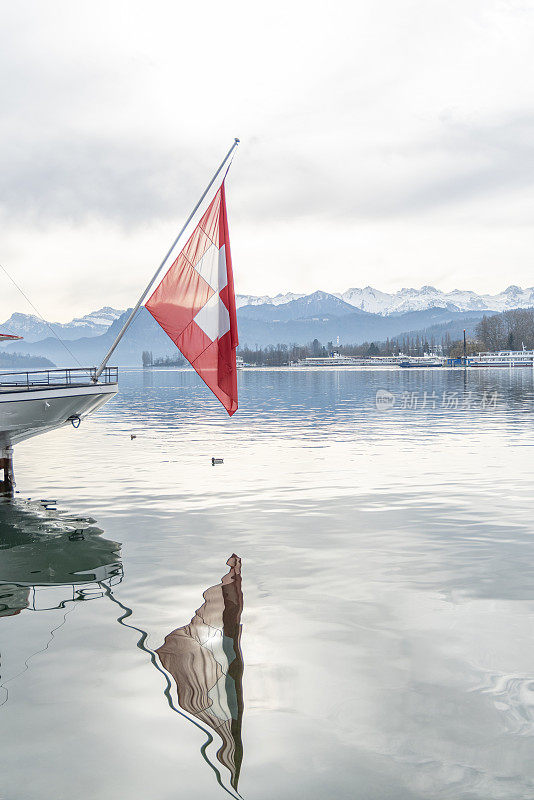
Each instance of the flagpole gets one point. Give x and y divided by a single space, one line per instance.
154 278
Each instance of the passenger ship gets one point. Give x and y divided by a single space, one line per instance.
503 358
38 401
335 360
401 360
498 358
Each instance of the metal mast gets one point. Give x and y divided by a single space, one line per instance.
159 269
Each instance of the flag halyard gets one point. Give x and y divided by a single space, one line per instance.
195 303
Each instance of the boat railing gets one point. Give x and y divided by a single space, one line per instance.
76 376
507 354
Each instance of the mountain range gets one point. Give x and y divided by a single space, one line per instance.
33 328
327 318
407 300
263 321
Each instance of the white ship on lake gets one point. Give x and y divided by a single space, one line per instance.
400 360
38 401
503 358
496 358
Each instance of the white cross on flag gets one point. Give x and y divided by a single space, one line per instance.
195 304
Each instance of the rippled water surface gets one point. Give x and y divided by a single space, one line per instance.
372 638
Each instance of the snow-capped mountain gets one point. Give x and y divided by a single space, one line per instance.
104 316
409 300
318 304
33 329
367 299
277 300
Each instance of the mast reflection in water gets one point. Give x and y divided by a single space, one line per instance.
204 658
50 560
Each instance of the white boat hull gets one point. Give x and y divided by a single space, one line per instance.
24 413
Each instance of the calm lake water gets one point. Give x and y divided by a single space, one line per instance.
385 597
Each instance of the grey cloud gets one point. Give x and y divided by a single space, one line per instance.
78 141
476 160
133 180
126 182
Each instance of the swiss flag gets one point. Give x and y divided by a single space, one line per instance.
195 304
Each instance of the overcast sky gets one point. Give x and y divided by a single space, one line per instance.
387 143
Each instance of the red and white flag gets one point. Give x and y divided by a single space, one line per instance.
195 304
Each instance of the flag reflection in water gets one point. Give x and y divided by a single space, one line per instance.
205 659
